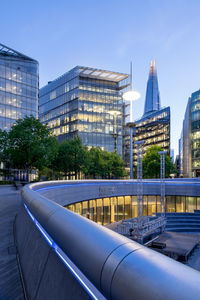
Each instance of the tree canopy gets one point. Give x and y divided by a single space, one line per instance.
30 145
71 157
102 164
151 163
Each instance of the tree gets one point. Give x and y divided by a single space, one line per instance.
117 166
31 145
78 155
103 164
151 163
93 164
4 157
3 145
71 157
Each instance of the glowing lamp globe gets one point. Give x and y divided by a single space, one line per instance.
114 112
131 95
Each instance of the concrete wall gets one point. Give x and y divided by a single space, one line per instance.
44 274
70 192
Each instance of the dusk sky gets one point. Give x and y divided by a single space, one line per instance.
108 35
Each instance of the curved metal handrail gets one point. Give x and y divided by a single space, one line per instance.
118 267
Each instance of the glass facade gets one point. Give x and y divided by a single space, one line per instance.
18 86
108 210
154 129
152 101
80 102
190 146
195 133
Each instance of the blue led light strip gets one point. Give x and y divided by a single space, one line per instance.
69 185
80 277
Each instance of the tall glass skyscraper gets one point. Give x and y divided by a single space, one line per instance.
154 126
18 86
190 144
152 101
83 102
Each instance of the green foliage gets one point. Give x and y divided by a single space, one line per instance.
3 145
117 166
4 182
30 145
151 163
46 174
71 157
102 164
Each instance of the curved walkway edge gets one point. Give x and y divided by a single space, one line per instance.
10 283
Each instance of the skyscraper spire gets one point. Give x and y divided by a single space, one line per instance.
152 101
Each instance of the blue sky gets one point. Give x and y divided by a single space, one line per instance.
108 35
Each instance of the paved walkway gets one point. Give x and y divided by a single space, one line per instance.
179 245
10 284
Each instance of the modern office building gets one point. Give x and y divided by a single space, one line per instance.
179 165
190 140
154 126
18 86
86 102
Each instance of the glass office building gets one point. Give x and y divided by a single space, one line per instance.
190 145
83 102
18 86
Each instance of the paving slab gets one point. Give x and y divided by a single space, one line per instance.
10 283
178 245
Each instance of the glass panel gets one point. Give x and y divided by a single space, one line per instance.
127 207
71 207
198 202
85 211
190 204
180 203
134 205
144 205
106 211
92 210
158 205
151 205
120 208
78 208
99 210
113 203
170 204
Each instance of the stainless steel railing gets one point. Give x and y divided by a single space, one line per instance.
116 266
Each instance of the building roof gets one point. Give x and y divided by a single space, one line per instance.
102 74
153 114
7 51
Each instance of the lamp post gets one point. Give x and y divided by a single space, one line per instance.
115 113
162 177
139 145
131 96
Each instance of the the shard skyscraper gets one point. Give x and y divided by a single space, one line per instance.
152 101
154 126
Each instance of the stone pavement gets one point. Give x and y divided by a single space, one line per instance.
178 245
194 259
10 283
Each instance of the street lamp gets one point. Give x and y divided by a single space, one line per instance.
131 96
115 113
139 145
